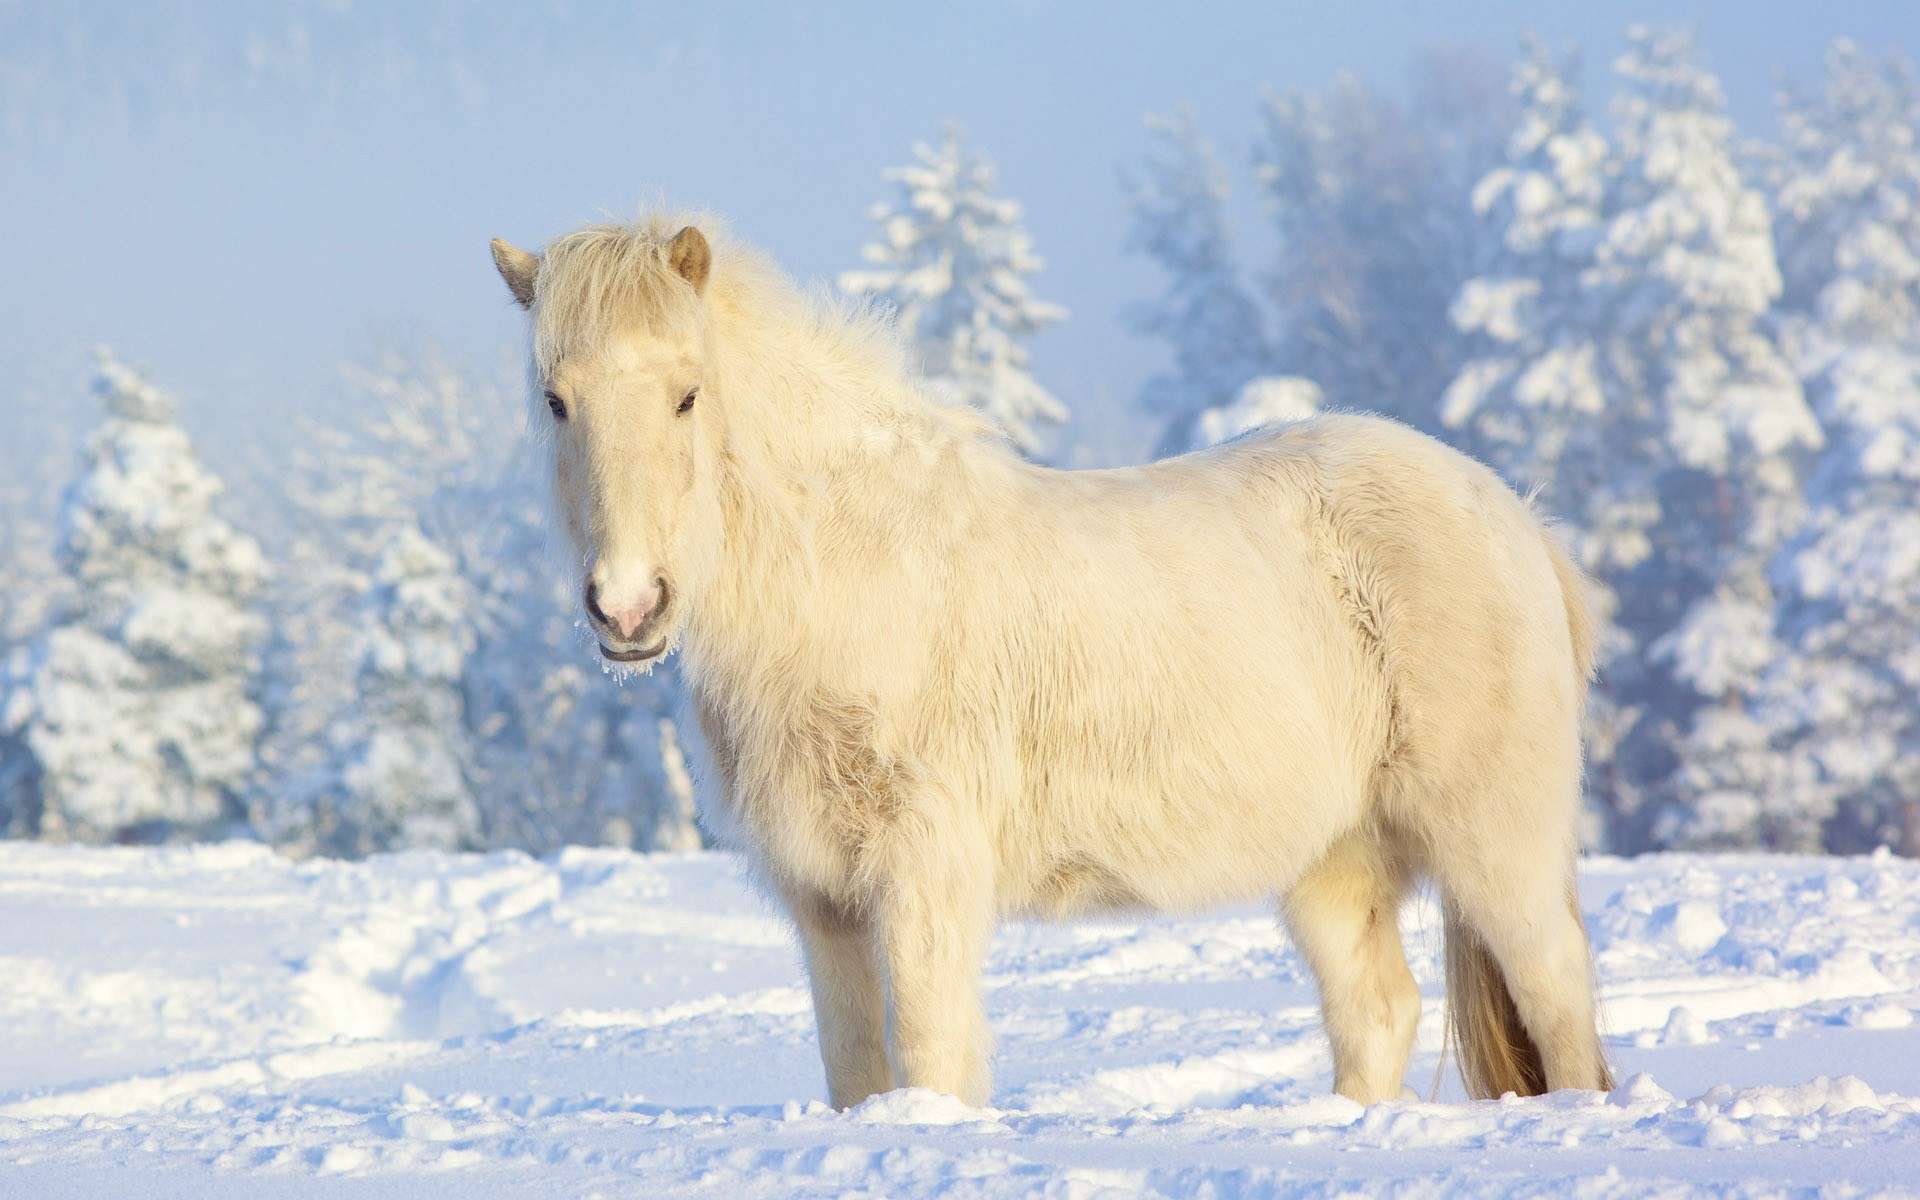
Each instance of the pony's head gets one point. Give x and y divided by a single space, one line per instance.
619 363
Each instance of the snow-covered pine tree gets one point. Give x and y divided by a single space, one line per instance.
1531 391
541 737
1177 202
131 712
1532 399
1699 391
33 588
403 761
1370 199
1624 364
1848 221
953 259
1845 199
354 488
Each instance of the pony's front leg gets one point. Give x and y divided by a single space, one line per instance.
934 930
849 997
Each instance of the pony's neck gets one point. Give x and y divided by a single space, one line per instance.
816 414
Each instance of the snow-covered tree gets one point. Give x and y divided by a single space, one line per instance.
33 589
1705 416
404 765
952 258
27 547
1848 199
549 751
1266 400
1213 326
1532 389
571 754
131 713
1848 220
354 488
1370 199
1625 364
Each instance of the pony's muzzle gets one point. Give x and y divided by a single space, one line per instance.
628 617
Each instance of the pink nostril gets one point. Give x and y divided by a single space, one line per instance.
627 620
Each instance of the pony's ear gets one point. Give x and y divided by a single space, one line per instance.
518 268
690 256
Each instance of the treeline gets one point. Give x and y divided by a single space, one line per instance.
1700 351
399 668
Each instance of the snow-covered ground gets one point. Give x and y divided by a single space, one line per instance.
223 1022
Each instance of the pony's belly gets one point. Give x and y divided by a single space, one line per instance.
1176 852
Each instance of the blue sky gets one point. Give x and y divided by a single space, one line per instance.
240 196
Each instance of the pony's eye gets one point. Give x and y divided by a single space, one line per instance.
686 401
558 406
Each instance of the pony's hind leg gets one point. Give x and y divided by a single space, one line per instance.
1513 925
1344 918
1519 971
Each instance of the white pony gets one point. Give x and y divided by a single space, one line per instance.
945 686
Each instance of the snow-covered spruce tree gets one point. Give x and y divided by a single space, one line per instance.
1177 199
1705 417
1624 364
1532 400
130 712
1847 199
1848 221
551 752
953 259
353 489
1370 199
1532 390
35 586
403 763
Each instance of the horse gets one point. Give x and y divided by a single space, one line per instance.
944 686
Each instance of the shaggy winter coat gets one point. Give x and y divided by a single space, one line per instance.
945 686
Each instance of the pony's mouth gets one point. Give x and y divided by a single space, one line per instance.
640 655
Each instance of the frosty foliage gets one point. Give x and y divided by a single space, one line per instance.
1532 390
402 765
1625 365
130 714
439 692
1687 241
1369 196
1848 198
1689 245
421 682
952 258
1268 400
1841 698
1710 383
1214 328
1703 356
1717 419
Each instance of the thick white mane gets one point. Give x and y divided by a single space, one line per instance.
604 280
